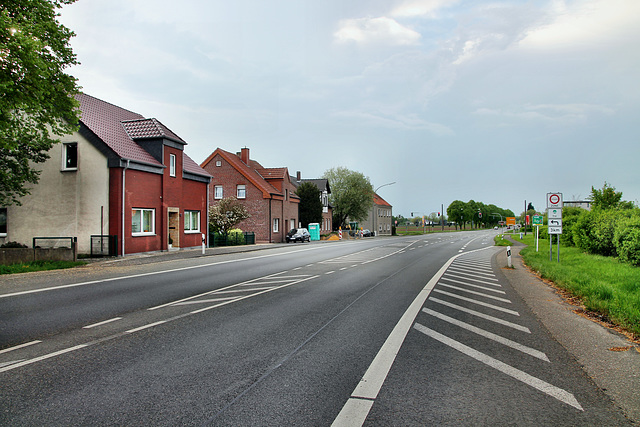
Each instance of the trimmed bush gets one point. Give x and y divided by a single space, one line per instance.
627 239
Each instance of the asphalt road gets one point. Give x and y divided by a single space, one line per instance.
403 331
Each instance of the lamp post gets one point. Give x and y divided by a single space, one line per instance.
383 185
374 214
500 215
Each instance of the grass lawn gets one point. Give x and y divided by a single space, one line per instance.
604 285
38 266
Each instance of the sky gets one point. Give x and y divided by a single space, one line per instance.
496 101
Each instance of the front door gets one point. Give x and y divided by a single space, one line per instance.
174 227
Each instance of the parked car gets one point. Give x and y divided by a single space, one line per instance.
298 235
366 233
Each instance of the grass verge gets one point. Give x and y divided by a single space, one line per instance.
602 284
38 266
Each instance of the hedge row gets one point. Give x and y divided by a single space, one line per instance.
613 232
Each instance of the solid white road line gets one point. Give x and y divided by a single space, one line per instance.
481 315
457 288
471 300
357 407
38 359
101 323
6 350
484 288
543 386
490 335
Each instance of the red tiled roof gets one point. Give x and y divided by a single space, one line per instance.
377 200
117 128
149 128
272 173
247 171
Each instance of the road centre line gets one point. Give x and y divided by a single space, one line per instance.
102 323
498 291
494 337
131 331
7 350
543 386
457 288
471 300
38 359
357 407
246 283
153 273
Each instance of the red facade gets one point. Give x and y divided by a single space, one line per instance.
269 194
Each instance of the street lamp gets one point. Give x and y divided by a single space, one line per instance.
383 185
500 215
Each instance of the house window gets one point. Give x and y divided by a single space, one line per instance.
191 221
241 191
286 194
218 163
3 222
276 225
217 192
172 165
70 156
143 222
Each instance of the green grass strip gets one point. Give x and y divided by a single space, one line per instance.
38 266
603 284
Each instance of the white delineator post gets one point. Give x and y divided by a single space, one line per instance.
509 256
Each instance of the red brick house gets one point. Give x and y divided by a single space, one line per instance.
122 175
268 193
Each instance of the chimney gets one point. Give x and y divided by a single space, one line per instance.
244 156
298 176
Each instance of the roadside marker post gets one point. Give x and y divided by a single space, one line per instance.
509 256
203 243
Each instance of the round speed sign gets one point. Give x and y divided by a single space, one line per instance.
554 200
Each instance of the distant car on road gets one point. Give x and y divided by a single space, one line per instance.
366 233
298 235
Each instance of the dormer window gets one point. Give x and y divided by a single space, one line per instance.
70 156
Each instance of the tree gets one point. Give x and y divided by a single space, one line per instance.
456 212
226 214
531 208
351 195
36 96
607 198
310 207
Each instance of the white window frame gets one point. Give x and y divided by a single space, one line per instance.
189 217
152 228
241 191
218 163
215 192
65 156
5 212
172 165
276 225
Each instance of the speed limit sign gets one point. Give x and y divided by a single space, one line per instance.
554 200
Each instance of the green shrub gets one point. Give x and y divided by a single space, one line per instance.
14 245
627 239
570 217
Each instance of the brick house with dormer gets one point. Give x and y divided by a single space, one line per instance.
120 174
267 193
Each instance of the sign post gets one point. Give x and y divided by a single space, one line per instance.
554 210
537 221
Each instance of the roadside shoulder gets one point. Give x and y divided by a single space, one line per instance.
612 361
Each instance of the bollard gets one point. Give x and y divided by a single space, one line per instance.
509 256
203 243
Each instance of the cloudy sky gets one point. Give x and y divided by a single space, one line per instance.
498 101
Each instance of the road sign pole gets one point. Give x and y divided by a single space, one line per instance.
537 230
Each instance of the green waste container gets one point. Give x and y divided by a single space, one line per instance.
314 231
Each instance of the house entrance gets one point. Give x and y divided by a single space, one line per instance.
174 227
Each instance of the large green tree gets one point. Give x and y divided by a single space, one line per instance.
606 198
351 195
310 207
36 95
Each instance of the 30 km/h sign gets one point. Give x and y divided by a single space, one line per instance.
554 200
